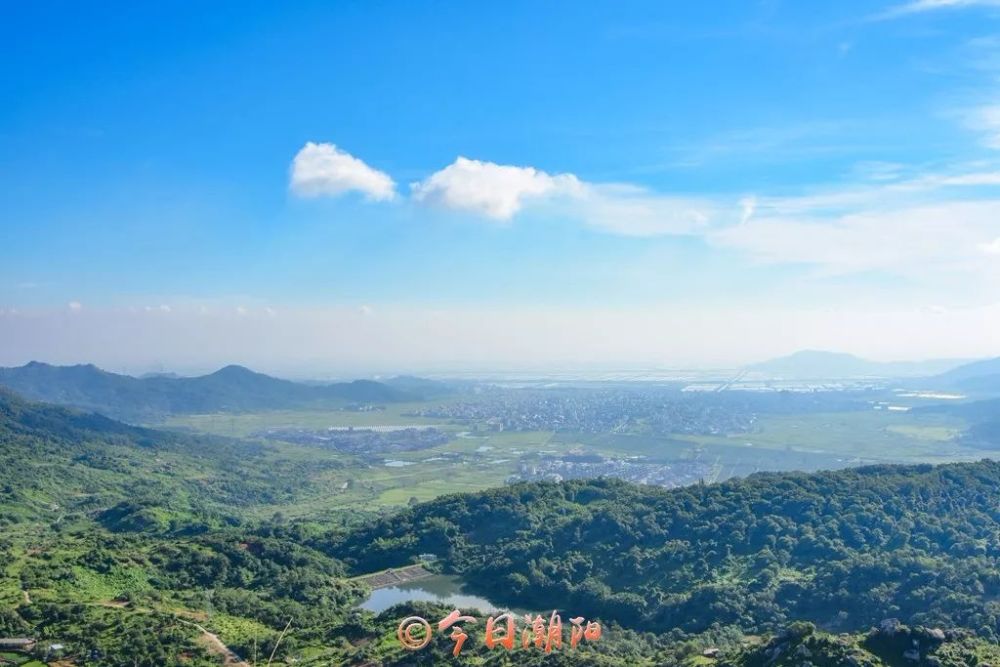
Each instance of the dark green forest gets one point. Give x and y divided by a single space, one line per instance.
843 549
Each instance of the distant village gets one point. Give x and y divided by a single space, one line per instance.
604 411
670 475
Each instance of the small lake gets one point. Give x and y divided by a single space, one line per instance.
443 588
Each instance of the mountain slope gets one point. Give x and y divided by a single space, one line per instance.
986 367
57 463
232 388
981 377
112 538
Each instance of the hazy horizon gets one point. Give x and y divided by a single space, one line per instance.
159 345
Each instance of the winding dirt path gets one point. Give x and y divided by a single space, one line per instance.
216 646
212 642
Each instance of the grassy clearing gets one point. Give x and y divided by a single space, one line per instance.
237 630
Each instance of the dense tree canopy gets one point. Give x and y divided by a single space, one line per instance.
844 548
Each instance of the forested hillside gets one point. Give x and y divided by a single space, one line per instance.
116 541
844 549
58 463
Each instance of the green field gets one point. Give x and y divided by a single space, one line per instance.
241 425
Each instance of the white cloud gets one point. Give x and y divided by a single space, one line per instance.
499 192
493 190
75 306
366 310
909 227
323 170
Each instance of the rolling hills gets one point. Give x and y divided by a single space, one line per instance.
115 537
232 389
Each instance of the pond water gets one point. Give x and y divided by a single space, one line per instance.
443 588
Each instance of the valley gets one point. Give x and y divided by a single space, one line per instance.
683 522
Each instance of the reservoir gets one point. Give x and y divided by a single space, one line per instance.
444 588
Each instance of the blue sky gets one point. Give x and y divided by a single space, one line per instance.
696 163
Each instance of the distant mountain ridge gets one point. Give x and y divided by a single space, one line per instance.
818 364
233 388
978 378
975 369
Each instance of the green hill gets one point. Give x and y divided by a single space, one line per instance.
58 463
115 539
233 388
843 549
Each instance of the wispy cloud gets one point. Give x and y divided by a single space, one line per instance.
492 190
921 6
985 120
932 228
916 242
